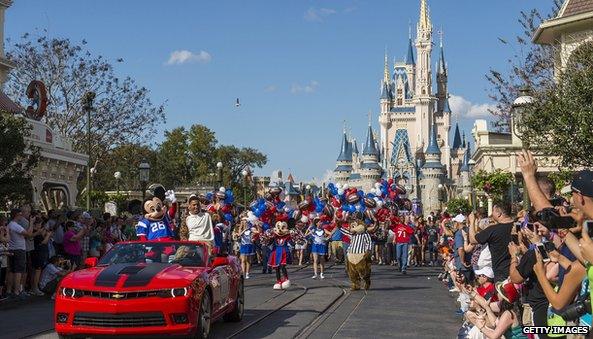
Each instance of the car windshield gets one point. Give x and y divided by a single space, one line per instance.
155 252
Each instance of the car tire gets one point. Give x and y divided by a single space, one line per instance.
236 314
205 317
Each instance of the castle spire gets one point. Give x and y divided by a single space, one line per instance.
370 146
386 74
424 22
433 146
456 138
442 67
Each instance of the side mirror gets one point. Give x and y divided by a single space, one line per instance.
219 261
91 262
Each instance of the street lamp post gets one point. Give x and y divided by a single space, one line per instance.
471 164
440 195
144 176
219 168
519 105
244 173
87 106
117 176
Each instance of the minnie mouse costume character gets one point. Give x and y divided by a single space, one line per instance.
280 255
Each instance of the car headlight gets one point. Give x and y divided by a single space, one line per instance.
179 292
71 292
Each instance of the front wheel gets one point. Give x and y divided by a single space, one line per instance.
205 317
236 314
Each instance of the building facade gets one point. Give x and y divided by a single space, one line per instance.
415 121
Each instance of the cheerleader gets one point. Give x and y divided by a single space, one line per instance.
319 248
245 234
280 255
301 243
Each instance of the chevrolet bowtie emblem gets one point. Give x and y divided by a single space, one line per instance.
117 296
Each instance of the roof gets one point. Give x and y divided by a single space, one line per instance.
574 7
370 165
403 109
355 147
433 147
346 150
401 146
354 176
410 55
432 164
456 138
369 146
442 66
447 107
343 168
465 164
8 105
385 91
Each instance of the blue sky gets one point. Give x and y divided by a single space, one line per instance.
299 67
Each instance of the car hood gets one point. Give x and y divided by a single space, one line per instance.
133 277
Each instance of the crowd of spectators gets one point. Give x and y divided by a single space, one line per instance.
37 249
518 268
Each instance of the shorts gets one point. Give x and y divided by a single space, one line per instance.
319 249
247 249
39 259
2 276
299 247
17 261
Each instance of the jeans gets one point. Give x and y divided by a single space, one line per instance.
401 253
265 253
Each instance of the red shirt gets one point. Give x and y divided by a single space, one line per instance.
402 233
488 292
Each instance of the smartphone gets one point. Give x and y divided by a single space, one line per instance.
589 224
518 226
530 226
542 251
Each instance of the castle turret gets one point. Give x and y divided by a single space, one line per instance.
432 173
370 170
344 161
424 99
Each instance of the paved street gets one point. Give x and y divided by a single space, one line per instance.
396 306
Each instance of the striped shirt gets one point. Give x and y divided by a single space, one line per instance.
359 243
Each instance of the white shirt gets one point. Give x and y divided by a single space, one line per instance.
200 227
17 240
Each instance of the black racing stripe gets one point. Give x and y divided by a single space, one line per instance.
110 275
145 275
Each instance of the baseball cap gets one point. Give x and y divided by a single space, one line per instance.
583 183
86 215
459 218
487 271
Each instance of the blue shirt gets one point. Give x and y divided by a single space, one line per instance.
337 236
459 244
154 229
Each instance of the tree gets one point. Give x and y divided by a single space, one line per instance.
123 110
458 205
125 159
559 120
496 184
532 66
236 159
18 158
201 148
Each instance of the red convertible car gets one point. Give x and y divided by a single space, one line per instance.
152 288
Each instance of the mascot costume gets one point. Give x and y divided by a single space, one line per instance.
359 259
280 256
157 223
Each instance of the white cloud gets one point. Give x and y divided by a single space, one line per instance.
466 109
308 88
271 88
184 56
318 15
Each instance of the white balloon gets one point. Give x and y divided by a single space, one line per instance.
345 186
340 191
222 189
304 219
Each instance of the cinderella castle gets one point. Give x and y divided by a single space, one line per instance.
414 146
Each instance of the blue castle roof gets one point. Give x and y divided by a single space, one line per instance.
369 146
346 150
456 138
466 156
433 147
410 55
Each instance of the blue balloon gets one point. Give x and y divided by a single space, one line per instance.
332 188
209 196
265 226
228 217
351 208
280 205
258 212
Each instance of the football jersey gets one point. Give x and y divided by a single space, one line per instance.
154 229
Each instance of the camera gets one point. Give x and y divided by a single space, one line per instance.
574 311
550 218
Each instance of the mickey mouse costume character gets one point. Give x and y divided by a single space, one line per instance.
280 255
156 224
